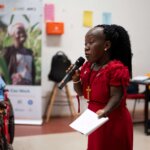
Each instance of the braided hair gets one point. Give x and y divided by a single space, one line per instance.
120 44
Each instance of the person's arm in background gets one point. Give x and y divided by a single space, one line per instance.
2 89
116 94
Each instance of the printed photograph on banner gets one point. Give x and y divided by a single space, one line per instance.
106 18
20 48
20 58
87 18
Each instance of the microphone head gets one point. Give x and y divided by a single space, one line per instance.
79 62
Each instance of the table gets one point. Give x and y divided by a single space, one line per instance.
146 83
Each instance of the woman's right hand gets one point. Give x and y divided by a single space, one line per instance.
101 113
76 75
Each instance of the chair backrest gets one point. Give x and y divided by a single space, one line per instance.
59 65
133 92
133 88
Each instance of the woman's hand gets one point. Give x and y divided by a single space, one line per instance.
16 78
76 75
77 84
101 113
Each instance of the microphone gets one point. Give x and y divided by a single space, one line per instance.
79 62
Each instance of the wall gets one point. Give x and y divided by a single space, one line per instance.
131 14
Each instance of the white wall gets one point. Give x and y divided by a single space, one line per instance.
132 14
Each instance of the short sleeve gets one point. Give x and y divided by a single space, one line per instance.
119 75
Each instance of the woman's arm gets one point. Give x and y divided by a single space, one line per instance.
116 94
77 84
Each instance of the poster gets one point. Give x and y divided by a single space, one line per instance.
106 18
87 18
49 10
20 57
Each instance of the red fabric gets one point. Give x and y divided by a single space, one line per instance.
136 96
117 133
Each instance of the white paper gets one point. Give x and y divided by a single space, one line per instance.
88 122
140 78
147 81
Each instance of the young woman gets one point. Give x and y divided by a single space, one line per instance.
103 81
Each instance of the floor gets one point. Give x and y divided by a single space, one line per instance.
57 130
61 124
55 125
72 141
58 125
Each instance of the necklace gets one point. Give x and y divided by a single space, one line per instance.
90 80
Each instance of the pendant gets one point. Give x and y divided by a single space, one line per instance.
88 90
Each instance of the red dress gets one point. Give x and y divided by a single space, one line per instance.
117 133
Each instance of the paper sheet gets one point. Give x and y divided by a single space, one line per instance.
88 122
140 78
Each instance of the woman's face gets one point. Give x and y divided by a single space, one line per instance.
20 35
95 44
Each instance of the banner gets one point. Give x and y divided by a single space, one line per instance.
20 57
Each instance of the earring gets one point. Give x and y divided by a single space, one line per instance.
105 49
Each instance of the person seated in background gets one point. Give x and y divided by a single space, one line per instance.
20 60
6 114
